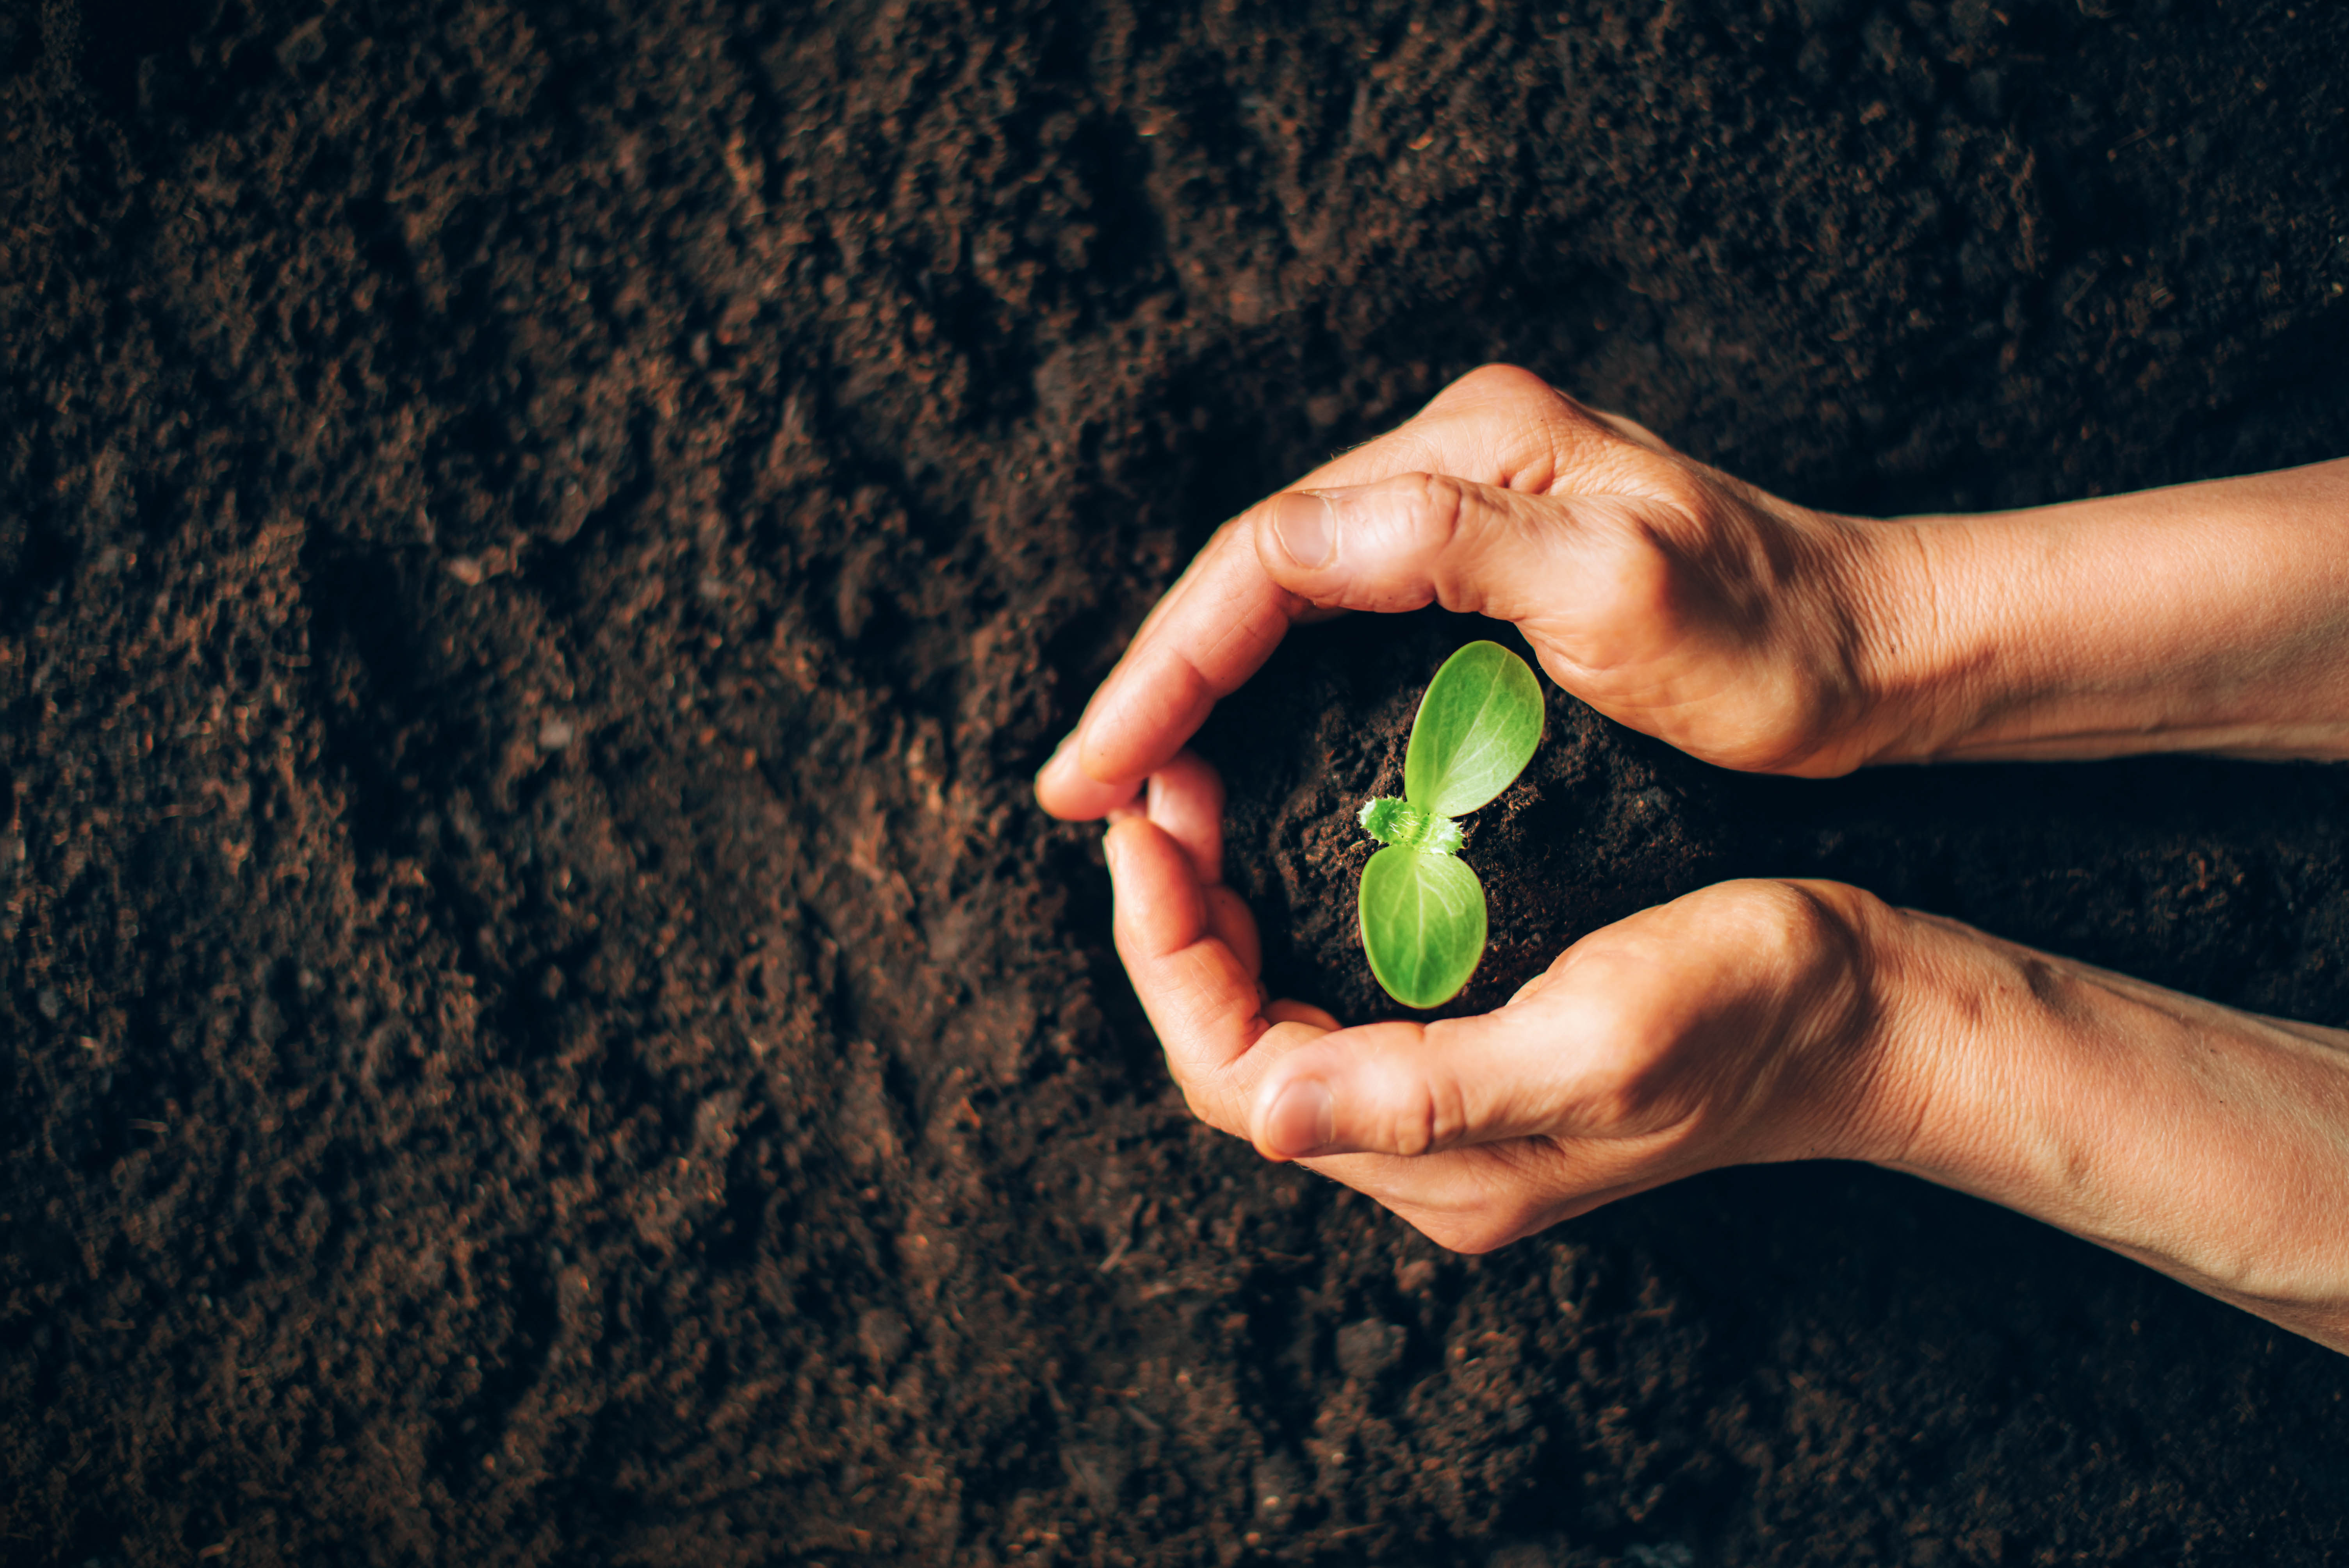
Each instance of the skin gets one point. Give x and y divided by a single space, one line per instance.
1766 1020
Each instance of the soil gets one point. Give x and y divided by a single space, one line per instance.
539 545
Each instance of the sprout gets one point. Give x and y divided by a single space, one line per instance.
1423 911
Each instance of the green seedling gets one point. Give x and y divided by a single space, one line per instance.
1423 911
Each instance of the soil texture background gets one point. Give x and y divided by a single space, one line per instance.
541 543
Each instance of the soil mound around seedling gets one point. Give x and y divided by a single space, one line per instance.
1601 822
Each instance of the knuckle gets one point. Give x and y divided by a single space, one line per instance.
1673 486
1798 921
1500 382
1808 945
1431 1119
1435 505
1453 535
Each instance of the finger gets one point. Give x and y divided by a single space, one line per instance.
1411 1089
1186 799
1198 989
1213 630
1419 538
1230 923
1066 790
1285 1011
1223 618
1476 1199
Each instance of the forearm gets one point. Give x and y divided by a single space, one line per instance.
2211 1144
2208 617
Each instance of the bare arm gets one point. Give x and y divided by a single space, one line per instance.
2210 1143
2205 617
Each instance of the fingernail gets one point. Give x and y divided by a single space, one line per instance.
1306 526
1066 741
1110 851
1304 1118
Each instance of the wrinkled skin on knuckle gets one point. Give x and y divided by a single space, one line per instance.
1835 1055
1439 1120
1434 505
1537 439
1530 431
1505 394
1500 382
1819 935
1841 924
1432 517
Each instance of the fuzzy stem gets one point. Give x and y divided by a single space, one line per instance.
1401 823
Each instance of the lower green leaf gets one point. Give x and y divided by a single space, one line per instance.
1423 924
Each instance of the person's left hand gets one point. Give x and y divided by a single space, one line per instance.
1741 1023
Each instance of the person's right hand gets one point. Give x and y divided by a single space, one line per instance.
1743 1023
1744 629
1759 1021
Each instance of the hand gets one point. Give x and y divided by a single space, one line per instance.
1739 1024
1737 627
1760 635
1759 1021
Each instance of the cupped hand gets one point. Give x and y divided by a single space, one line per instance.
1743 1023
1746 630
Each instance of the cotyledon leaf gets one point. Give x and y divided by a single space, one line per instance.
1423 924
1477 728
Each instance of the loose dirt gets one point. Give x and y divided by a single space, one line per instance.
539 546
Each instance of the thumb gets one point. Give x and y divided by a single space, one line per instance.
1400 1087
1416 539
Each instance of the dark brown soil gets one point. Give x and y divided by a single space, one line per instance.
539 545
2221 878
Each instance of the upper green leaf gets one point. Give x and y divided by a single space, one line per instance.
1477 728
1423 924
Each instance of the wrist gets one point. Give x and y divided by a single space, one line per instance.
2201 617
2211 1144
